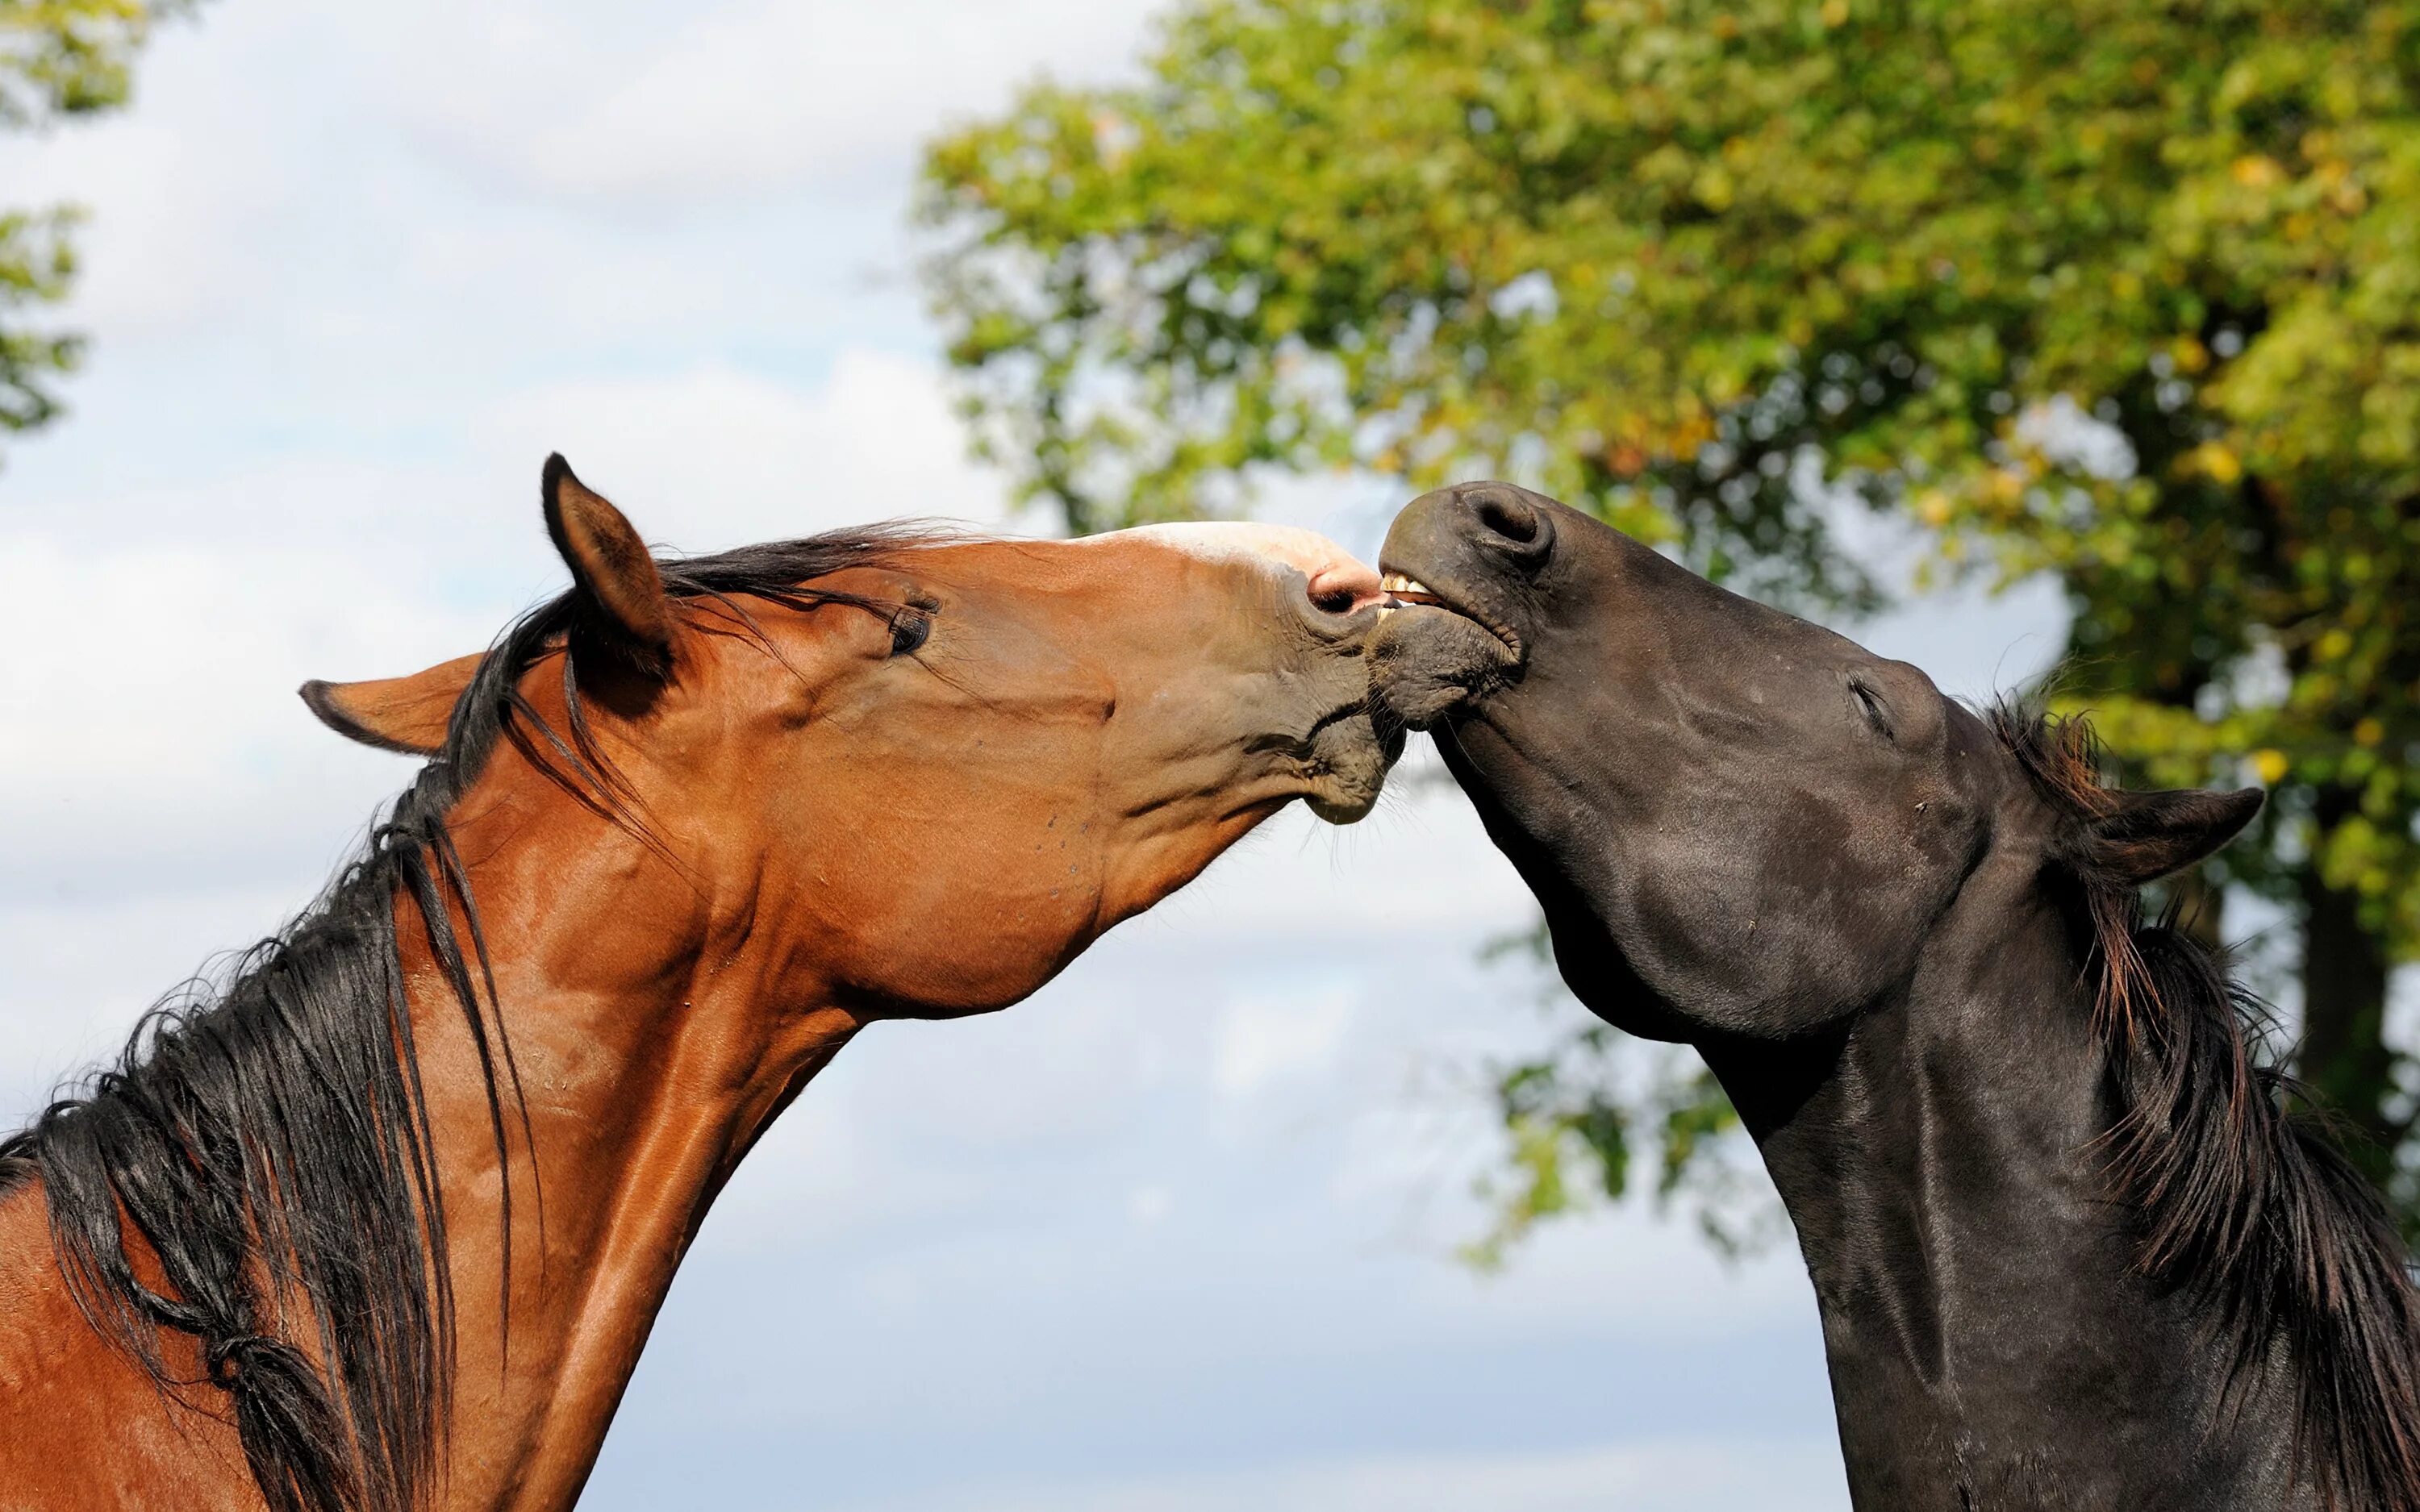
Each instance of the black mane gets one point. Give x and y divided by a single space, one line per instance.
267 1135
2245 1200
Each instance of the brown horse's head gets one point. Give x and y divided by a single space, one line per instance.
683 830
920 772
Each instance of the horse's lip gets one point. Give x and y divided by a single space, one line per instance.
1404 591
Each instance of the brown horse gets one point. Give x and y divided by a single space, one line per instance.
381 1221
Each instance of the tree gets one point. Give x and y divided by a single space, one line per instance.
59 60
2116 291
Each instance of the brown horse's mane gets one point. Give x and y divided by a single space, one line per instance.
266 1133
2243 1200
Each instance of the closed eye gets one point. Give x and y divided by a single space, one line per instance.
1876 712
912 627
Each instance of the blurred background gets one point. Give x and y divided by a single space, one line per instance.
2005 337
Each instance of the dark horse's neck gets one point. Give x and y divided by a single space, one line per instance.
1993 1342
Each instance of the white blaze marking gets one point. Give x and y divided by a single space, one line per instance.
1329 565
1225 539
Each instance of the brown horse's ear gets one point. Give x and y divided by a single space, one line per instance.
613 571
405 713
2142 836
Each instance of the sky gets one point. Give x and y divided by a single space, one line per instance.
1178 1233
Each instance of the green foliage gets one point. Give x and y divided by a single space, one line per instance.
36 263
1353 235
2119 292
59 60
1574 1114
1571 1117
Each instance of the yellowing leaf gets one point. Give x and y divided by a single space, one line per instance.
2215 460
2258 171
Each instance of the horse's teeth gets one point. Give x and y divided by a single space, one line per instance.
1395 582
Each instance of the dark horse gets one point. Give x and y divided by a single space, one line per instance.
381 1223
2071 1248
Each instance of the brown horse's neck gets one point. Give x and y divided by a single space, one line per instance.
658 1021
1990 1338
648 1063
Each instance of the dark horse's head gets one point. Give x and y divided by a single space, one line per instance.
1740 823
1908 939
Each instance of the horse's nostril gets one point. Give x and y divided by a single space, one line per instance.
1343 586
1508 517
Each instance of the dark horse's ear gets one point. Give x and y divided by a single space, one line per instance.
405 713
612 570
2142 836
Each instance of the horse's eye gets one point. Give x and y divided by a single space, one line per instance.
909 629
1871 703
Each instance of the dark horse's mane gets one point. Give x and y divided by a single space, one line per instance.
2245 1201
267 1137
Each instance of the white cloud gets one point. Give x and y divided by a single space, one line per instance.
82 964
409 219
834 1170
177 643
162 742
736 98
716 457
180 187
1663 1475
1281 1030
178 206
1298 876
704 455
2061 429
